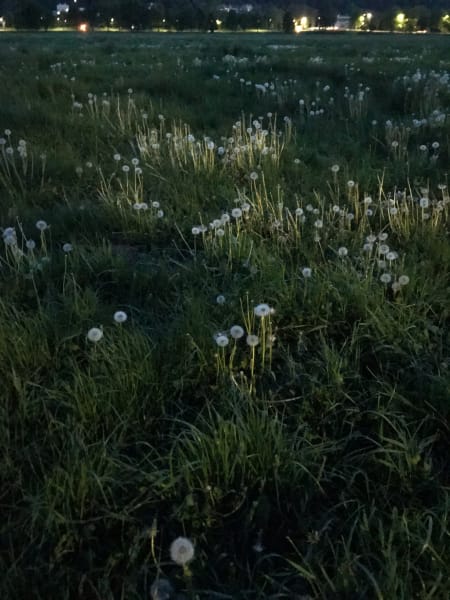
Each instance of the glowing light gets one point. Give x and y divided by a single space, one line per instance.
83 27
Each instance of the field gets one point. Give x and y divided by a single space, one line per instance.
224 275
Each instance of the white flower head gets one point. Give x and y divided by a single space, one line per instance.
30 244
262 310
220 299
67 248
252 340
221 340
94 335
306 272
182 551
342 251
120 316
236 332
403 280
41 225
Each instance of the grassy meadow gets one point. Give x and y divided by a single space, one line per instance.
224 309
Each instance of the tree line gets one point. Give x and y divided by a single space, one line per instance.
184 15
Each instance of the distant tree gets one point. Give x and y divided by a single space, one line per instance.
288 22
29 15
133 13
231 20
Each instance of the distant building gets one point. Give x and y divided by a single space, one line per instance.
343 22
243 8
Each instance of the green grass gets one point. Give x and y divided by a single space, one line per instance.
313 464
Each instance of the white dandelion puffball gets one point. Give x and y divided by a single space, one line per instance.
94 334
41 225
262 310
30 244
67 248
120 316
335 168
254 176
220 299
306 272
403 280
236 332
181 551
252 340
222 340
386 278
342 251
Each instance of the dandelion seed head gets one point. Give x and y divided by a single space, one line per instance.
182 551
262 310
236 332
41 225
252 340
94 334
120 316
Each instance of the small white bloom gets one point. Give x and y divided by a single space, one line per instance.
41 225
94 334
221 340
342 251
120 316
306 272
236 332
262 310
385 278
220 299
30 244
254 176
403 280
181 551
424 203
252 340
236 213
67 248
335 168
